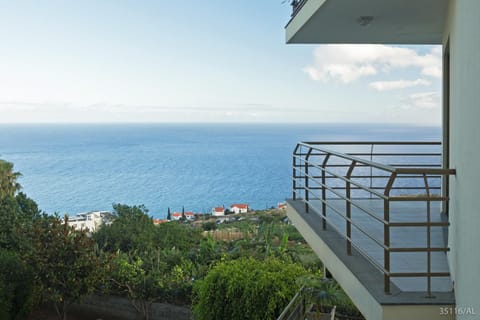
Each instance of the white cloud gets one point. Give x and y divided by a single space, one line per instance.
422 100
398 84
348 63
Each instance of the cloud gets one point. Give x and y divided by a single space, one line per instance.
422 100
348 63
398 84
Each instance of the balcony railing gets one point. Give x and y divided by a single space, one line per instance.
381 182
296 6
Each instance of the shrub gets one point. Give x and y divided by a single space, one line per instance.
246 289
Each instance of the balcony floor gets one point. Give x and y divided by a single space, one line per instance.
400 237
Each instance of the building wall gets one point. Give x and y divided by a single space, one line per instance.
463 34
239 210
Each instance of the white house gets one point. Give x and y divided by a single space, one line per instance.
90 221
455 26
218 211
189 215
176 216
239 208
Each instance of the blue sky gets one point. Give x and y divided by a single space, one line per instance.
198 61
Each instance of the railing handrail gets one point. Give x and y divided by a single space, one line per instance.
305 157
389 168
293 303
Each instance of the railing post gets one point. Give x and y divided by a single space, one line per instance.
371 168
307 165
324 192
386 232
349 207
429 254
294 173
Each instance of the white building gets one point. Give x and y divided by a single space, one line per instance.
176 216
455 25
218 211
189 216
90 221
239 208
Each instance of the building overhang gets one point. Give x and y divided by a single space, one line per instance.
368 21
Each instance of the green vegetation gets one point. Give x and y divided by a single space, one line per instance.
65 262
248 266
247 289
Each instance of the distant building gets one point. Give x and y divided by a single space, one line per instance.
218 211
91 221
176 216
239 208
282 206
188 215
159 221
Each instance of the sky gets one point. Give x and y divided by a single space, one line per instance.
219 61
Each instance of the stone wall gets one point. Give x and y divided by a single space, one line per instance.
119 308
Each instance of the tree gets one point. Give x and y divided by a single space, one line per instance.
183 213
17 294
132 230
246 289
155 277
169 216
65 261
8 179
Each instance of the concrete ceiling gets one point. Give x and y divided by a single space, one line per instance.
394 22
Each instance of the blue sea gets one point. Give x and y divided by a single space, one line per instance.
78 168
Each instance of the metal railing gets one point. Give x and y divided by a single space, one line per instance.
325 173
295 310
296 6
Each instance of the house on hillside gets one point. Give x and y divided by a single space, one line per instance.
91 221
218 211
176 216
189 215
282 206
400 237
239 208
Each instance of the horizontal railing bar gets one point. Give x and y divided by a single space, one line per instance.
398 165
382 188
376 154
419 224
376 177
395 143
359 160
417 198
415 165
425 171
439 249
378 194
419 274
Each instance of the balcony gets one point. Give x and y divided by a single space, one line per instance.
372 211
367 21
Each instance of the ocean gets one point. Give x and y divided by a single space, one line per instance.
82 167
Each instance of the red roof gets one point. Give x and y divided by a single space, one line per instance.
189 213
240 206
177 214
219 209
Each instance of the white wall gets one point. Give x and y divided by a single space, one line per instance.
463 30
